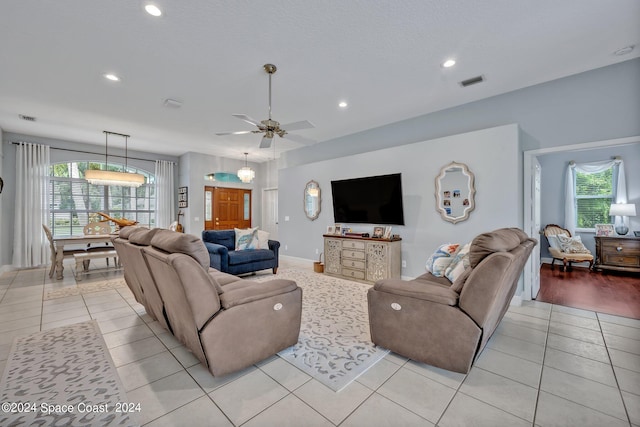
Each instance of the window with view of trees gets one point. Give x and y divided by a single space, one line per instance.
75 202
594 195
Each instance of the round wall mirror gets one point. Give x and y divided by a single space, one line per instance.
311 201
455 191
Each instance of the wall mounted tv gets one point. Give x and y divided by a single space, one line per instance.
368 200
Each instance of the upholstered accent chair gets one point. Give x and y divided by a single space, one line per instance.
227 322
444 324
223 255
551 232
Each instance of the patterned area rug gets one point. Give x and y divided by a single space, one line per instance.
85 288
335 345
63 377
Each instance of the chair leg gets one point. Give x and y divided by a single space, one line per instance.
275 270
85 264
564 265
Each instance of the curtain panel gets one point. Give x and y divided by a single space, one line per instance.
165 204
30 246
619 185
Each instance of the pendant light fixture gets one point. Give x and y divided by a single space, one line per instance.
246 174
107 177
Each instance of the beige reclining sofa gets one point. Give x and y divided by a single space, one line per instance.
447 325
227 322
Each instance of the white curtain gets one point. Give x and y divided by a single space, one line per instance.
30 245
165 205
620 187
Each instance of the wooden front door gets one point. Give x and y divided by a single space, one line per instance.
227 208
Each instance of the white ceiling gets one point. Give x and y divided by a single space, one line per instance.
382 57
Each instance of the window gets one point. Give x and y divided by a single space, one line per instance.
594 195
75 202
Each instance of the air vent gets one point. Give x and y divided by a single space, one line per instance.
27 118
472 81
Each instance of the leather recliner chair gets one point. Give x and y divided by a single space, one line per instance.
228 323
429 320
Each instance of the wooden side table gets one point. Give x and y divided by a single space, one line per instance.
621 253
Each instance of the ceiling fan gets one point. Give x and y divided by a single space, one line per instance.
269 126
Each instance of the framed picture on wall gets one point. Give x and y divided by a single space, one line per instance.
604 230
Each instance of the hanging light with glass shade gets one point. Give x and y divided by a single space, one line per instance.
107 177
245 173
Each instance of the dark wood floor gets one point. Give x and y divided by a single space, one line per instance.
611 293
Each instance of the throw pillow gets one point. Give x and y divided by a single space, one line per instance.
263 239
459 263
572 245
441 258
246 239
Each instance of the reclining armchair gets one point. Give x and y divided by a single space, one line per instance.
447 325
228 323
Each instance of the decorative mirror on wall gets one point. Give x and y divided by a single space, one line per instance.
455 191
312 200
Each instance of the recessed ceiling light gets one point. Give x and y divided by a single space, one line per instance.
153 10
112 77
343 104
449 63
623 51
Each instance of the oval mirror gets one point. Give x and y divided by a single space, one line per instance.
312 200
455 190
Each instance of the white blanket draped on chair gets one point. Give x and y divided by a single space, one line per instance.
31 205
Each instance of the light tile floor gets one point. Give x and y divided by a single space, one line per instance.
545 365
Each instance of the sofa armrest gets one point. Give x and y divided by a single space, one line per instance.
427 291
247 291
218 256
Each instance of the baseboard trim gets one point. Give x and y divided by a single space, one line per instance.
6 268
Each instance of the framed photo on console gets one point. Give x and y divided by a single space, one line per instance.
331 229
378 232
604 230
337 229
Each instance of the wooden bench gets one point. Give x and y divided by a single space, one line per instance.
82 259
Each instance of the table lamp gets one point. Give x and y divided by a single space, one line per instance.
622 210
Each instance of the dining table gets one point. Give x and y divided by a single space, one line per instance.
61 241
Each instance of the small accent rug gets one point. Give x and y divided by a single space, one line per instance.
334 345
63 377
85 288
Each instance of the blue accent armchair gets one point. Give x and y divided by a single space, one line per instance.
221 245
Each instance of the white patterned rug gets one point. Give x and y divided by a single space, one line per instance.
334 345
85 288
63 377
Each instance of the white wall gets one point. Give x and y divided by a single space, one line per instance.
493 155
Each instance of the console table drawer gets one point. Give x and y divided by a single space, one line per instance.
353 245
355 274
351 263
626 261
352 254
625 247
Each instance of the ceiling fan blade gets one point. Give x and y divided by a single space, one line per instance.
248 119
266 142
300 139
303 124
242 132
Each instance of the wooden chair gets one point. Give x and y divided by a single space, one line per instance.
557 253
68 253
99 228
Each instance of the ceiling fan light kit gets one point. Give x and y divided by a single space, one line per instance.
107 177
270 127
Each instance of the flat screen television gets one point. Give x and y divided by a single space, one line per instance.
368 200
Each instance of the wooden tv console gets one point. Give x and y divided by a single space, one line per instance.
362 258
